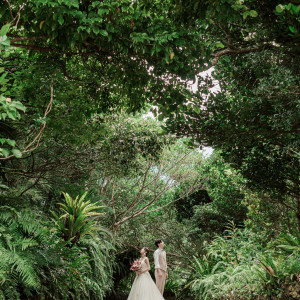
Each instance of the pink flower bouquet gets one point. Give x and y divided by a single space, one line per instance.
136 265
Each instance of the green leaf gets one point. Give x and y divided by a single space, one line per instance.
219 45
253 13
19 106
292 29
11 142
4 29
95 3
61 20
5 43
17 153
245 15
103 32
102 12
11 115
196 109
279 8
96 30
5 152
73 3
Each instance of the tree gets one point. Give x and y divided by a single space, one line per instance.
254 118
254 122
143 190
128 48
184 206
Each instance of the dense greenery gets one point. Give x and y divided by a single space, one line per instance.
101 138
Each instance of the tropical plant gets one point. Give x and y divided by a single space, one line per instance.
288 243
22 251
276 271
76 222
34 260
236 265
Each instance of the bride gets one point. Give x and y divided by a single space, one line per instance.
143 287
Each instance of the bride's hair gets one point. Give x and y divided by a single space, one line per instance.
147 250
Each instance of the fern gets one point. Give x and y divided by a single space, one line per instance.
20 236
35 261
234 266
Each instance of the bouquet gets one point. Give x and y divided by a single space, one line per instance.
136 265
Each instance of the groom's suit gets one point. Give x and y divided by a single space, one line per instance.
160 261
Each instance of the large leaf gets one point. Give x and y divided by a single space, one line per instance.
4 29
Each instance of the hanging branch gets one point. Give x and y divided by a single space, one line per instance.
18 16
36 141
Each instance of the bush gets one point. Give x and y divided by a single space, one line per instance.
208 220
237 267
36 261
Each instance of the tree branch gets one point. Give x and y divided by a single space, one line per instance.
42 127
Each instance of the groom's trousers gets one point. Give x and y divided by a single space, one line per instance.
160 281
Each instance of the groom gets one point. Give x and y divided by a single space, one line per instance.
160 261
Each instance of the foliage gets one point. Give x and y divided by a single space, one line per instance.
21 248
252 116
88 72
288 243
226 187
207 221
147 189
236 265
76 221
255 125
9 109
184 206
118 41
34 261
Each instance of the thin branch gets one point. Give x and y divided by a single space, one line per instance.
10 10
33 47
218 55
167 186
132 204
67 75
161 207
18 16
38 137
22 38
228 36
139 212
31 186
236 51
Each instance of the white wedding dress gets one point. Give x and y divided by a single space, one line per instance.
143 287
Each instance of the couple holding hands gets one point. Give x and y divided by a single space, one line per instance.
143 287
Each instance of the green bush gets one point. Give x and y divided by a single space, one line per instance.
35 260
237 267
